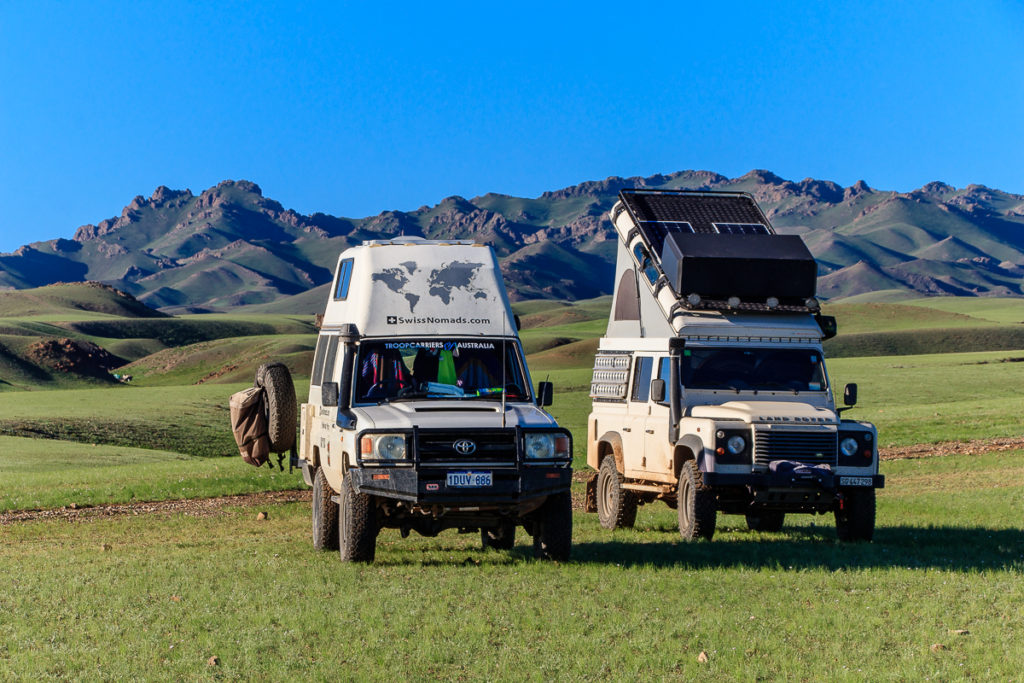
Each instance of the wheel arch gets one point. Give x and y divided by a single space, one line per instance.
689 447
610 443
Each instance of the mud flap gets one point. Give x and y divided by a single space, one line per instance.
590 499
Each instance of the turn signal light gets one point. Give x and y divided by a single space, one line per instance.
366 445
720 450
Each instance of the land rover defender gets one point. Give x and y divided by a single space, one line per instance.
421 413
709 390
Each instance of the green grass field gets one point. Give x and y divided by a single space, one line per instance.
46 473
169 592
155 596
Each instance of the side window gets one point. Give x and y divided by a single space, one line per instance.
663 373
642 378
318 360
646 263
332 353
344 280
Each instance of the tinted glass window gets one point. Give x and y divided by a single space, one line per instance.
332 353
663 373
749 369
444 370
642 379
318 360
344 279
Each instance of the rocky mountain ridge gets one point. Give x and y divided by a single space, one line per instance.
230 246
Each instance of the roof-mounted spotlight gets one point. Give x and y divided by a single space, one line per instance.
812 304
772 302
693 300
734 302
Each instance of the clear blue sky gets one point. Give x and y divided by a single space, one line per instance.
351 110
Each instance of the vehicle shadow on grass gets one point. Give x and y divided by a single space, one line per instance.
950 548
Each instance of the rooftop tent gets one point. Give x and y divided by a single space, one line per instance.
714 250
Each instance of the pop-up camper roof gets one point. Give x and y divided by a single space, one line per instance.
705 251
409 286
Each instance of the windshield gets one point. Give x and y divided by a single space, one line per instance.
407 369
753 369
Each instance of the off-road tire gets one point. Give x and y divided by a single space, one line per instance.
552 532
766 520
695 504
325 514
501 537
856 520
282 409
616 506
357 525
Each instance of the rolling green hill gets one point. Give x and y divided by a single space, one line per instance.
78 334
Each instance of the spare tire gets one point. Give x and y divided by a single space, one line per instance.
276 382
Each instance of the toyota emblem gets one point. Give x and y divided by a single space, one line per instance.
465 447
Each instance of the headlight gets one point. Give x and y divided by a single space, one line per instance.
540 446
546 446
383 447
736 444
848 446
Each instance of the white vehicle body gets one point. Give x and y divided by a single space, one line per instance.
420 399
747 422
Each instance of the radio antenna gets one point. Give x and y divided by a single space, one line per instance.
504 360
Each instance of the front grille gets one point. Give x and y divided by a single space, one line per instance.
807 447
492 445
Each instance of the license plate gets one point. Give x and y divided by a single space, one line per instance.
469 480
855 481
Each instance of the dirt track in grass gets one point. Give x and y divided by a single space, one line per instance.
972 447
196 507
202 507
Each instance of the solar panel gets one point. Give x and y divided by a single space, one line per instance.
741 229
659 212
655 231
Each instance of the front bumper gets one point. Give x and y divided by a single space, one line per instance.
742 493
422 479
771 480
426 487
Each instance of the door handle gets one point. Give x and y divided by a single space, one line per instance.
649 431
627 429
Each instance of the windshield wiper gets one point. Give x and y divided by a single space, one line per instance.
780 385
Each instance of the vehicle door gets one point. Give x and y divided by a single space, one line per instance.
324 421
657 449
636 417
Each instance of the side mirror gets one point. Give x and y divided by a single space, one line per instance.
545 392
658 390
329 394
850 395
828 325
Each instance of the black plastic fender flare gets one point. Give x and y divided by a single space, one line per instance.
695 445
